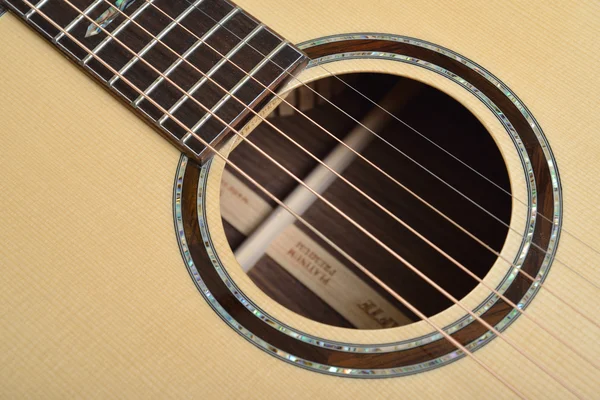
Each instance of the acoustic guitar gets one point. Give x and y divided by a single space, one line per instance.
315 199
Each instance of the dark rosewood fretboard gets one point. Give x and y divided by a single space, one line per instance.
205 63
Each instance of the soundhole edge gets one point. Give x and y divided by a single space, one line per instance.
298 268
424 352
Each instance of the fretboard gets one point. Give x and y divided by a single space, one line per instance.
198 70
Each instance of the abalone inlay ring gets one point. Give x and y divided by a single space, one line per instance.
535 256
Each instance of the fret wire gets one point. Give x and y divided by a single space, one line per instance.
206 76
112 36
82 15
30 13
205 118
117 30
10 6
452 340
185 55
155 40
240 84
222 61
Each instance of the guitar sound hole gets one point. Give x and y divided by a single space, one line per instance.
302 271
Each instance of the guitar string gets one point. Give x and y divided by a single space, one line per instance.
426 240
528 276
131 51
331 74
224 158
439 250
464 230
415 270
585 279
295 78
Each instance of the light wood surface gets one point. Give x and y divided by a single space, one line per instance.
96 301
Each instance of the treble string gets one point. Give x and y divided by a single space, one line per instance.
465 164
437 177
274 198
367 233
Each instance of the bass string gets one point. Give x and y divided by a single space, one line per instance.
512 304
224 158
437 177
441 290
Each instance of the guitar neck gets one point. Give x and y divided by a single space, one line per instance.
198 71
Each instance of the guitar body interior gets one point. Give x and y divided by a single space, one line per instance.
97 301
